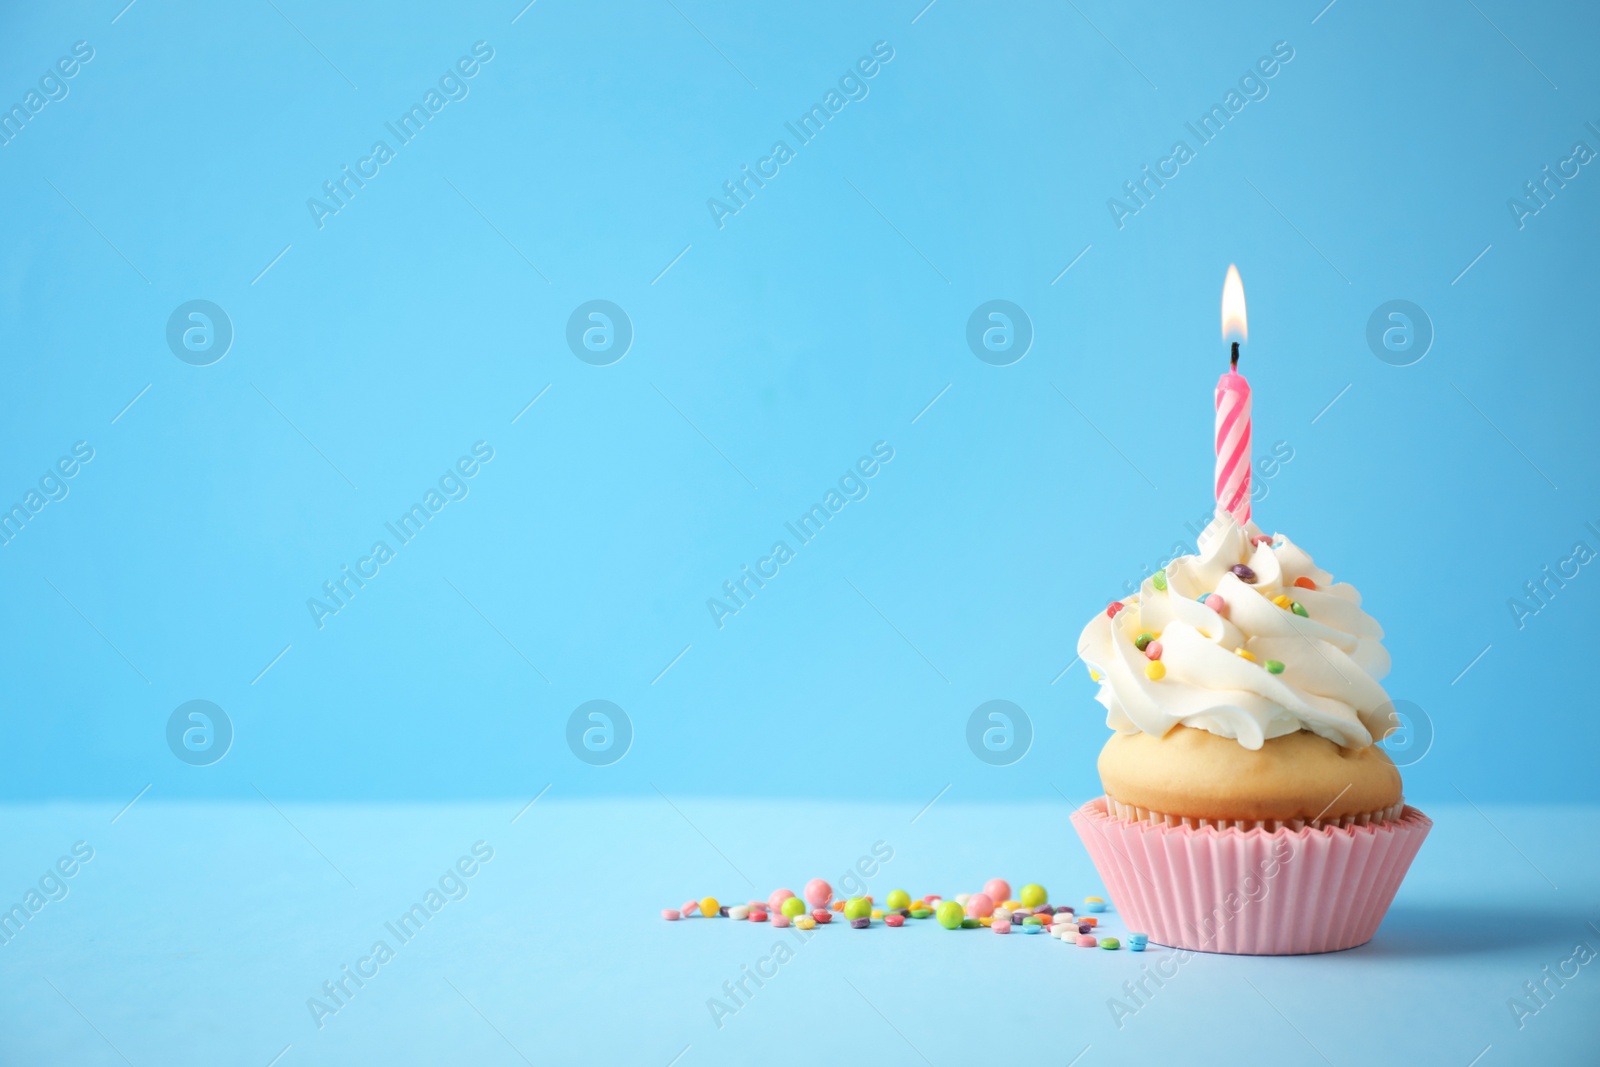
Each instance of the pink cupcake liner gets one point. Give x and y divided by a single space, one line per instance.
1251 892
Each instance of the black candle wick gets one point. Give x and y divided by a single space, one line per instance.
1236 357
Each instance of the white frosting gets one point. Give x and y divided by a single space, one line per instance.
1332 657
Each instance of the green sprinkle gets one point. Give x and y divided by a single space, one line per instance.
970 924
1034 920
1143 640
921 913
1299 609
1274 667
1159 579
1110 942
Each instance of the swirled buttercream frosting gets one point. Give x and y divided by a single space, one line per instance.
1247 639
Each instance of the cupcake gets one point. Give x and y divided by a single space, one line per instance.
1248 807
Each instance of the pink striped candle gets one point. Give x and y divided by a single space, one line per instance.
1233 409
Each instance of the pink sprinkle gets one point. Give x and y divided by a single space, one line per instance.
670 914
1217 604
690 907
1087 941
1001 927
1153 650
779 919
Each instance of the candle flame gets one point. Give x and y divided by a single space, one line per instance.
1234 325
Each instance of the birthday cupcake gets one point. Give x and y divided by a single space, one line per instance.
1248 807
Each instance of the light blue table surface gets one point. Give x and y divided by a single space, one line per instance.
197 933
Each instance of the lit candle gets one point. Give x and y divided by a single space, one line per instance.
1233 408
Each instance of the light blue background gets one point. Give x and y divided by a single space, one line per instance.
768 355
794 338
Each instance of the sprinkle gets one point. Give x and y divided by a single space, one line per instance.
894 918
1216 603
1274 667
1246 575
670 914
1258 539
1001 927
1155 670
1094 675
1281 600
860 923
806 922
1245 654
1086 941
1159 579
1153 650
1110 942
1303 582
1143 640
1299 609
1114 607
1091 902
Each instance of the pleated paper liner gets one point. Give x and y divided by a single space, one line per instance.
1117 809
1253 892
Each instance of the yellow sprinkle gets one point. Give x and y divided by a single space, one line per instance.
805 922
1281 600
1012 905
985 920
1246 655
1094 675
876 914
1155 670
